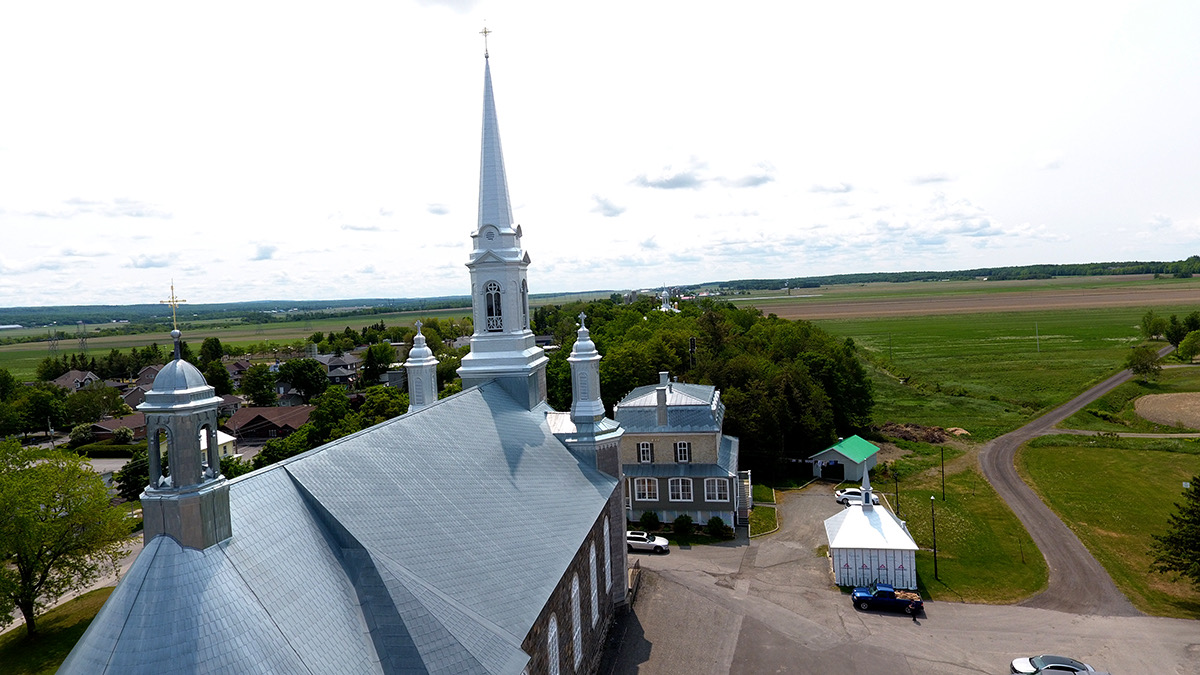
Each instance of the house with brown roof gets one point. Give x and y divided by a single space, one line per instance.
265 423
236 370
146 376
104 429
74 380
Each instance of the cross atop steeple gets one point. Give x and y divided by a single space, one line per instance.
173 302
485 32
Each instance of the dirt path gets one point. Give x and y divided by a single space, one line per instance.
1078 584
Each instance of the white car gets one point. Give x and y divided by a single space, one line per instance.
853 495
1048 663
644 541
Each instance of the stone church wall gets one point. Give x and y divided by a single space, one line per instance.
608 604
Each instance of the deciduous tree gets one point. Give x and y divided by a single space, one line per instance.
58 531
218 378
376 361
258 384
1143 362
306 375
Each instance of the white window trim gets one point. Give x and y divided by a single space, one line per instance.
552 655
680 482
595 594
645 452
576 622
607 558
719 482
686 447
649 482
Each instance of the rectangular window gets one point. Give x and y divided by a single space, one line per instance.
683 451
645 489
716 490
681 489
645 452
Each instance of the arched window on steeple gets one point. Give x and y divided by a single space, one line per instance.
524 304
491 294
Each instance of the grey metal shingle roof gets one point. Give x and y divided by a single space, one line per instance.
403 546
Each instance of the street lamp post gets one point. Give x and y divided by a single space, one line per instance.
943 474
933 519
897 477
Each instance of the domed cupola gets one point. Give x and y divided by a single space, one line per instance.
192 503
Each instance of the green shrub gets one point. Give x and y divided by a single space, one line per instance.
683 525
81 434
649 521
123 436
717 528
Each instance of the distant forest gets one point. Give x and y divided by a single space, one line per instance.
1180 269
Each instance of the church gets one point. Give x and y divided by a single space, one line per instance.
480 533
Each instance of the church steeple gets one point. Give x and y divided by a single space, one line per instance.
502 347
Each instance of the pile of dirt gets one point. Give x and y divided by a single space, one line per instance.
914 432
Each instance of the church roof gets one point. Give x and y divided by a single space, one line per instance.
872 527
404 545
494 206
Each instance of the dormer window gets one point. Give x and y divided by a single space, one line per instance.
683 452
495 320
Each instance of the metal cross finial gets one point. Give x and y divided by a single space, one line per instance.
582 316
485 32
418 324
173 302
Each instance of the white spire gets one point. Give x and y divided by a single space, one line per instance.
494 206
586 405
421 366
502 347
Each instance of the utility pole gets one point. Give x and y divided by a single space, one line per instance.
897 477
943 474
933 519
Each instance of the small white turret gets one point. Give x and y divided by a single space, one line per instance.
421 367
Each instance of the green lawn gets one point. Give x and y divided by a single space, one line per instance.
988 373
763 494
58 631
984 554
1114 494
762 520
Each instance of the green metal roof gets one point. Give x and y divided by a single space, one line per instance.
855 449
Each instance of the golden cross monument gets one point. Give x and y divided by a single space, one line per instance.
173 302
485 32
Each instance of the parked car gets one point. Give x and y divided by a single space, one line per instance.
644 541
853 495
1048 663
885 596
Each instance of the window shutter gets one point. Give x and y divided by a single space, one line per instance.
651 453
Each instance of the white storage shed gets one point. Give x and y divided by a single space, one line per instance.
869 543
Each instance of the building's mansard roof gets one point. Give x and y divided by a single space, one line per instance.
727 465
406 541
690 408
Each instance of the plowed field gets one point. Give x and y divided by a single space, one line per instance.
1173 409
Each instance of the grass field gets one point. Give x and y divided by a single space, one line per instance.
58 631
1114 494
984 554
988 373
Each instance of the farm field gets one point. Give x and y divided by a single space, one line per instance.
1114 494
970 297
1118 411
989 373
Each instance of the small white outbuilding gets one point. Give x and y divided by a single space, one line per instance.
869 543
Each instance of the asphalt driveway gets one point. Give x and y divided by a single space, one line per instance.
769 605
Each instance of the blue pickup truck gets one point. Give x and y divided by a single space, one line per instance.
884 596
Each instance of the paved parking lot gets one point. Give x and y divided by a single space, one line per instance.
769 605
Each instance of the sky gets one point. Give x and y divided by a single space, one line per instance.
304 150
